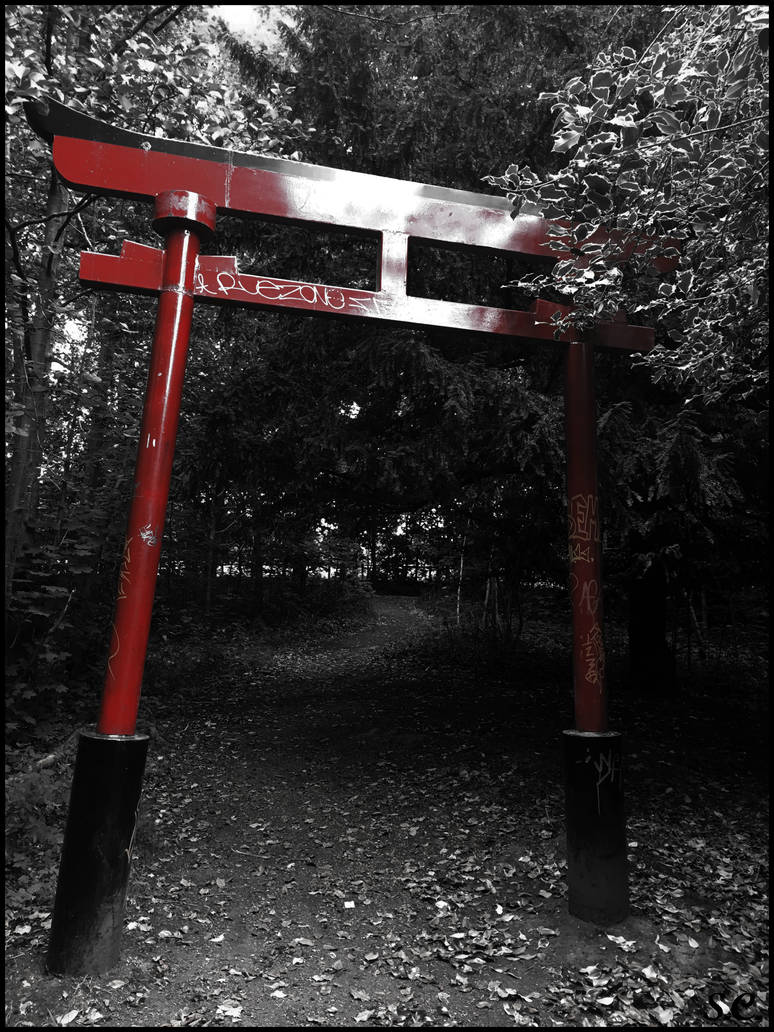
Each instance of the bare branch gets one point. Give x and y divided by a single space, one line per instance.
172 17
138 26
385 21
79 207
83 230
12 231
36 222
659 34
703 132
25 175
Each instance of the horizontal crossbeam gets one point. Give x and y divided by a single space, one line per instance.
98 157
218 280
103 158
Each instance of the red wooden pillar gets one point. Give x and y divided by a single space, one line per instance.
94 872
596 828
585 545
183 216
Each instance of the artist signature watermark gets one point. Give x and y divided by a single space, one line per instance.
723 1005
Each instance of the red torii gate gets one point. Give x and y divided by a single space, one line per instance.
188 183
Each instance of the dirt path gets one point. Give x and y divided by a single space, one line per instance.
397 621
335 834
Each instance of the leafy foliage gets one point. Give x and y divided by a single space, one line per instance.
667 153
405 455
76 380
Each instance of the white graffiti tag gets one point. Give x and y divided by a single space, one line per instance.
148 535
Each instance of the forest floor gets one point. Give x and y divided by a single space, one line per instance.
366 829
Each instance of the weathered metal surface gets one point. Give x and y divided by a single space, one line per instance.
142 548
176 206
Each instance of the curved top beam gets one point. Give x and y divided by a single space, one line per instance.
50 118
93 155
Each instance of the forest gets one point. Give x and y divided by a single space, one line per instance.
324 469
405 458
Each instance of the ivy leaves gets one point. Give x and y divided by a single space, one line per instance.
667 150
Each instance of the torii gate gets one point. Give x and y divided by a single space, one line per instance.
188 183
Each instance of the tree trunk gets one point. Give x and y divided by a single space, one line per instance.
372 544
459 579
212 549
651 662
34 351
256 563
299 574
100 502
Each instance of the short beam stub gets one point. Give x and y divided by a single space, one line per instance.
173 205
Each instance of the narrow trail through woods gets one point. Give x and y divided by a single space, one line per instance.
368 830
397 621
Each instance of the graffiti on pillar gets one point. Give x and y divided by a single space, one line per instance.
593 652
588 593
589 597
115 651
608 767
124 579
583 517
149 535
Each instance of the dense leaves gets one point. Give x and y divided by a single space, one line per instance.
306 446
669 147
76 366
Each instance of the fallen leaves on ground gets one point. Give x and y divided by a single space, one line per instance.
365 833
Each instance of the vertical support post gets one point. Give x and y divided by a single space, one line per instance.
596 829
585 541
87 919
184 217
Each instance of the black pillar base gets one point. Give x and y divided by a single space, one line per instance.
88 915
596 826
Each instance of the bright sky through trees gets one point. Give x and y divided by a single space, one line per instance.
256 22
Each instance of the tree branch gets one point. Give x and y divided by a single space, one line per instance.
139 25
25 175
83 203
658 35
36 222
172 16
12 231
703 132
83 230
386 21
